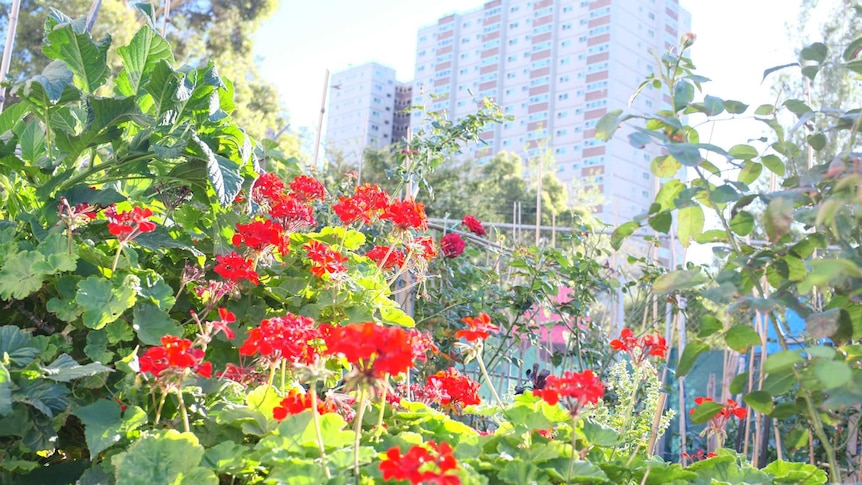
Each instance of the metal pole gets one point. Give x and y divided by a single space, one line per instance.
320 121
7 50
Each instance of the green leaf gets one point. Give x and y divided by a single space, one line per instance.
49 86
815 52
103 302
686 153
683 93
779 383
750 172
168 458
781 361
689 356
582 471
151 323
86 59
741 337
734 107
713 105
66 369
769 71
764 110
774 164
742 223
18 345
709 325
664 166
17 276
739 383
12 115
163 87
608 124
742 152
690 224
797 107
817 141
600 435
518 472
705 411
142 54
759 401
661 222
49 398
778 217
32 142
724 194
105 425
5 391
224 174
833 323
832 373
396 316
97 347
226 457
621 233
678 280
796 473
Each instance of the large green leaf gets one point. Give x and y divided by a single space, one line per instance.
44 395
86 59
17 344
741 337
104 302
49 86
12 115
151 323
5 391
832 373
795 473
163 88
17 276
690 224
224 174
705 411
778 217
689 356
170 458
105 424
66 369
142 54
760 401
621 233
678 280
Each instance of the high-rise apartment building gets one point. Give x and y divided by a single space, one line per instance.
557 66
361 109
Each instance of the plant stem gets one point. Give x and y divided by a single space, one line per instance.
283 372
574 448
116 259
357 429
488 379
183 412
379 428
159 408
315 418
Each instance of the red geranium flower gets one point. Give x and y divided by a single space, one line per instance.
421 464
307 188
366 205
234 267
452 245
639 349
718 422
128 225
480 328
406 214
474 225
290 337
375 350
174 355
325 260
267 188
226 317
573 389
258 235
296 402
423 246
386 257
292 214
458 390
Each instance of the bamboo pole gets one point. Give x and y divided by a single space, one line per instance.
7 50
320 122
167 18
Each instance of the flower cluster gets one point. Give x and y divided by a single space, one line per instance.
129 225
325 261
729 410
480 328
700 455
406 214
452 245
290 337
386 257
574 389
367 204
259 235
174 356
296 402
307 189
455 389
374 350
236 268
422 464
474 225
650 345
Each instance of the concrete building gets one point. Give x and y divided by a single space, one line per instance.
361 109
557 66
401 121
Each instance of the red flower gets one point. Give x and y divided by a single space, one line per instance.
458 390
421 343
729 410
307 188
423 246
325 260
290 337
296 402
421 464
128 225
292 214
258 235
386 257
235 268
639 349
175 355
267 188
406 214
480 328
226 317
452 245
574 389
700 455
374 349
474 225
367 204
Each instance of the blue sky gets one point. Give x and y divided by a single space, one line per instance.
737 40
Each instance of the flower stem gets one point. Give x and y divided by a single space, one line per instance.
116 259
379 429
574 449
283 372
159 408
183 412
315 418
488 379
357 429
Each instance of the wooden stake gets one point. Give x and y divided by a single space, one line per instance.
167 18
7 50
320 121
656 422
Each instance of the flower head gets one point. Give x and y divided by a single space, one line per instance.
432 463
325 260
128 225
235 268
258 235
173 357
268 187
650 345
457 389
226 317
290 337
573 389
452 245
474 225
296 402
406 214
480 328
373 349
307 188
367 204
386 257
424 245
717 423
291 213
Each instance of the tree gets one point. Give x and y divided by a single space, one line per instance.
221 30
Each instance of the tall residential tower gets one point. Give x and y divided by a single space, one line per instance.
557 66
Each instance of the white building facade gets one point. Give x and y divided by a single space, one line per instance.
557 66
